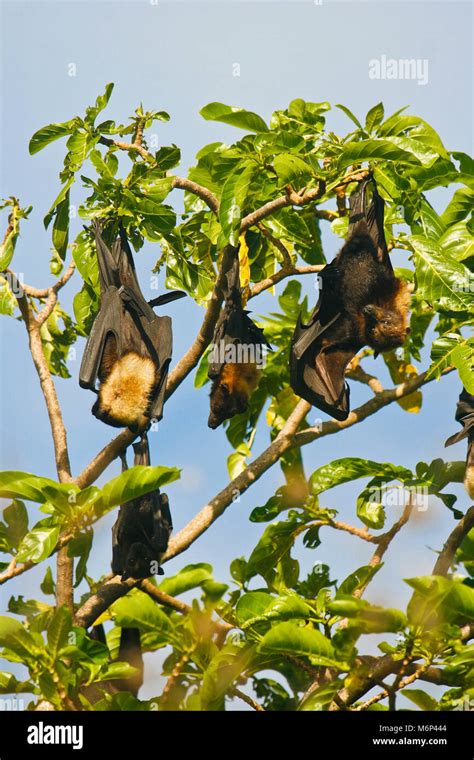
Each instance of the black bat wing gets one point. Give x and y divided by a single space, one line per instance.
125 314
321 349
368 217
109 317
464 415
152 516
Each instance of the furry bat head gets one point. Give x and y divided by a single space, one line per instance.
139 562
231 391
387 326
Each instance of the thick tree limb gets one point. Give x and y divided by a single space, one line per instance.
217 506
107 594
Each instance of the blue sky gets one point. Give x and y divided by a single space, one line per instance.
178 56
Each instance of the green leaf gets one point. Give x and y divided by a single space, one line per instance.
374 117
8 302
370 509
290 168
58 631
63 193
350 468
38 544
10 685
237 462
23 485
459 207
236 117
421 699
445 352
117 670
234 194
100 104
225 667
49 134
350 115
137 610
368 150
80 546
441 280
439 600
289 638
131 484
276 541
47 585
16 518
191 576
15 638
61 227
252 606
358 579
426 155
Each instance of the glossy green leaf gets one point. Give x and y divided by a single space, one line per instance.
191 576
233 197
49 134
292 639
236 117
38 544
291 169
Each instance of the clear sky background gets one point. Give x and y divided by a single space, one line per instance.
178 56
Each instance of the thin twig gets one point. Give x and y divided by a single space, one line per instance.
386 692
282 274
248 700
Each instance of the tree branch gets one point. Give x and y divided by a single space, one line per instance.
106 595
384 542
52 297
282 274
248 700
446 556
401 685
64 585
47 386
370 407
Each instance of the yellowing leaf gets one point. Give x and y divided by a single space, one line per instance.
400 372
244 265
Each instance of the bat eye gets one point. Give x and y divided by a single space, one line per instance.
408 330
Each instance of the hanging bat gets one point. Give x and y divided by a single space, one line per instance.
130 651
361 303
465 415
236 356
141 532
129 348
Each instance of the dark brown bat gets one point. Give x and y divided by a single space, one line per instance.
236 354
361 303
129 347
465 415
141 532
